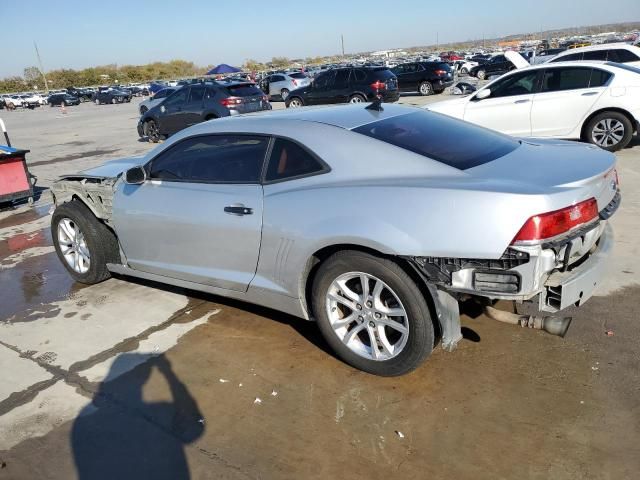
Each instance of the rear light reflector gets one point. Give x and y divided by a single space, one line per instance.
230 101
378 85
440 72
551 224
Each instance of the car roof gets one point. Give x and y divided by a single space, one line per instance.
345 116
603 46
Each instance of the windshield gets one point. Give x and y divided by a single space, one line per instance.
439 137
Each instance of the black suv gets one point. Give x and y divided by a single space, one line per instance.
62 99
497 65
348 84
82 94
426 78
196 103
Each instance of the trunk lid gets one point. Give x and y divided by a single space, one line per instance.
556 165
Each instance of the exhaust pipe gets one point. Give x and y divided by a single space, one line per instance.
553 325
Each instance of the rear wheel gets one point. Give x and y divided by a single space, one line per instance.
372 313
151 131
357 98
284 93
114 100
610 131
464 71
84 244
481 74
426 88
97 101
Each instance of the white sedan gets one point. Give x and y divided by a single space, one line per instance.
598 102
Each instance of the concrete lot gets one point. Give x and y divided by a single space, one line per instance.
133 380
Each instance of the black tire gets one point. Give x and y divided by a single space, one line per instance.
151 131
619 120
101 242
294 102
464 71
357 98
143 110
51 104
284 94
114 101
97 101
64 103
420 341
481 74
425 88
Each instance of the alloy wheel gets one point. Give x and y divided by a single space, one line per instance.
73 246
295 103
367 316
356 99
608 132
426 88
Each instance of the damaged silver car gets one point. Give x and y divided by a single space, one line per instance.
374 222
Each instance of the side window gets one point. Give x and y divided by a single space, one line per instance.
289 159
212 159
599 78
499 59
358 76
342 78
177 98
197 94
420 67
325 80
399 69
277 78
517 84
567 58
620 55
570 78
595 55
161 94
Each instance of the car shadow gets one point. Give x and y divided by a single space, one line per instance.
121 435
308 330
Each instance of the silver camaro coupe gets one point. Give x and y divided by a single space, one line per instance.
374 222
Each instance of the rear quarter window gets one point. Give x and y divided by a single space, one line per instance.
298 76
453 142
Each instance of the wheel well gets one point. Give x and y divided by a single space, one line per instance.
210 116
622 111
313 264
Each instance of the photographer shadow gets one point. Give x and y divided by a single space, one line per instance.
122 436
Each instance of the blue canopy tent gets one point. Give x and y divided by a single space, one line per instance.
223 68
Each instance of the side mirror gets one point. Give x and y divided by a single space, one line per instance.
135 176
482 94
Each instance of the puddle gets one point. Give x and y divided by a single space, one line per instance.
28 286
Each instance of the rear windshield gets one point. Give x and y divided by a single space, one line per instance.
244 90
299 75
452 142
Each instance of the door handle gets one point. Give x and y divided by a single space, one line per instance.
238 209
589 94
522 101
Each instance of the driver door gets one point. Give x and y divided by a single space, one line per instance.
508 108
170 117
198 217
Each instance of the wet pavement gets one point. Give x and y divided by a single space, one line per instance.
130 379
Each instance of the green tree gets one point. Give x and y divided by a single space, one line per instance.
280 62
32 75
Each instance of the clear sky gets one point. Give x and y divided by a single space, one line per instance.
84 33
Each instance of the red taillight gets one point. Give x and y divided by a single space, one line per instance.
230 101
378 85
295 83
552 224
440 72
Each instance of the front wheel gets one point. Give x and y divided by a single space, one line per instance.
610 131
114 101
294 103
481 74
151 131
426 88
464 71
84 244
372 313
